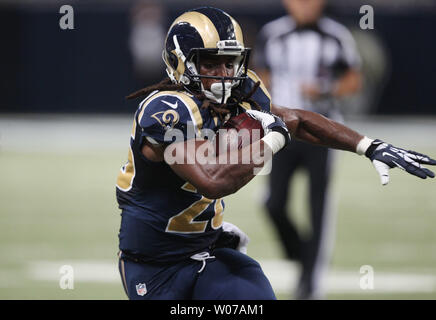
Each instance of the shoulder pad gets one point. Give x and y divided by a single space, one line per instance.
169 110
261 95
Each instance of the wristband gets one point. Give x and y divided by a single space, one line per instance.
275 141
363 145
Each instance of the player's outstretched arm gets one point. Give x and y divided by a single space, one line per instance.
317 129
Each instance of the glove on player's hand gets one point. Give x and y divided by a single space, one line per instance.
385 156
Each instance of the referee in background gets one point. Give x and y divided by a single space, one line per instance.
307 61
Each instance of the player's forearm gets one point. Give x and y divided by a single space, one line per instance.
232 176
224 180
316 129
220 176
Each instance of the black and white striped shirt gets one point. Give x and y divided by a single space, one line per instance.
315 54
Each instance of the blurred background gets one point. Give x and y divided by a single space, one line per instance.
65 127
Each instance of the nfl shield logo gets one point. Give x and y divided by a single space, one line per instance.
141 289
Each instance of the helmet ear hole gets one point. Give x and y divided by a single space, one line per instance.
194 59
172 60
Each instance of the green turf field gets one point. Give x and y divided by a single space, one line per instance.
58 207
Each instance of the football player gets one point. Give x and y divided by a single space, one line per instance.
173 241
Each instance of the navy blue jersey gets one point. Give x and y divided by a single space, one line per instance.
164 218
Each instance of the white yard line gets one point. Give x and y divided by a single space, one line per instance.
282 274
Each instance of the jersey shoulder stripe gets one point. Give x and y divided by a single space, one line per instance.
261 95
253 76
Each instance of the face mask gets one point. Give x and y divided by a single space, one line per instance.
219 92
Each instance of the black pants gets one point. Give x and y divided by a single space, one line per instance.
316 161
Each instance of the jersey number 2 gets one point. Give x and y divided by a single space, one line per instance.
184 221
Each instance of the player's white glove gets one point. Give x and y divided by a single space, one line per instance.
385 156
235 231
276 134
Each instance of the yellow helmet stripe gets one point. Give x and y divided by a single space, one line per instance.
203 24
238 31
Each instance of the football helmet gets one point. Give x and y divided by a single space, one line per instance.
205 30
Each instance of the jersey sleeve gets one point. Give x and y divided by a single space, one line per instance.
261 95
166 118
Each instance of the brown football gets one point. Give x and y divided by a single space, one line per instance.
238 132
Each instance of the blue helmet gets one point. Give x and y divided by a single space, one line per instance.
205 30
